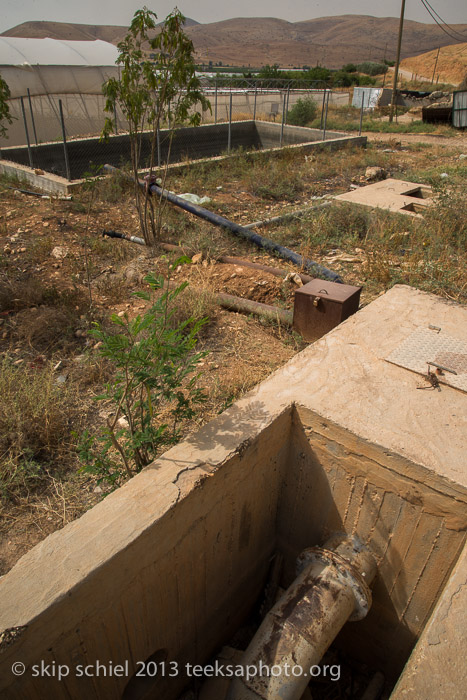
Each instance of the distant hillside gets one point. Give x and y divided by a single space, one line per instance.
330 41
451 66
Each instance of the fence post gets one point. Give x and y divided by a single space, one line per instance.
115 119
158 139
27 133
322 108
287 107
65 147
215 105
283 118
32 117
361 114
326 116
254 108
229 138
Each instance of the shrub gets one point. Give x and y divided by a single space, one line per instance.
153 391
303 112
372 68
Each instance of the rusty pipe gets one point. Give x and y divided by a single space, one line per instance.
331 588
273 313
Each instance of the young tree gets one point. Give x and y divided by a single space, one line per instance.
152 94
5 115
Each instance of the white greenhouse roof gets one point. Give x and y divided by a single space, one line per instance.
54 52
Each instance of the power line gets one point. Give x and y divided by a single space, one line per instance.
433 16
445 23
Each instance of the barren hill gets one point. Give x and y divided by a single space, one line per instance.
451 66
330 41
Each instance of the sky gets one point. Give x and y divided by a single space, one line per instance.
120 12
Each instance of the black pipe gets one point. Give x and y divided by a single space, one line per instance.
241 231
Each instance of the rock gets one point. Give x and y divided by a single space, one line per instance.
294 277
375 173
436 95
59 252
123 423
61 379
121 313
79 359
38 171
132 275
463 156
444 175
97 489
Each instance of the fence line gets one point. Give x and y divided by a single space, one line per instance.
68 117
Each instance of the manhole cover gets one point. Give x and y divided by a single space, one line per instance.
425 346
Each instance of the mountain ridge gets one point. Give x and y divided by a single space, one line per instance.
256 41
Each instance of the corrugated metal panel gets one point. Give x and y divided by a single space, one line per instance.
459 109
370 97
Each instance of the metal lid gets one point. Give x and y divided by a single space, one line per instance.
329 290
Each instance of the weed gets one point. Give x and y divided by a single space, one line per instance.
155 377
36 415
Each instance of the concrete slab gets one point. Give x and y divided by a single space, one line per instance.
398 196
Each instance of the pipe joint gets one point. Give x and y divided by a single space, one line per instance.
344 572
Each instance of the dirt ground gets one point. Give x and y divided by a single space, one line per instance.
58 274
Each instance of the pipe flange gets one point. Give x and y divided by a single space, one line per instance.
348 574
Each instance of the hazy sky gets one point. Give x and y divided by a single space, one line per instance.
14 12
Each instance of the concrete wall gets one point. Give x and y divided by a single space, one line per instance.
189 142
269 135
172 561
415 529
196 143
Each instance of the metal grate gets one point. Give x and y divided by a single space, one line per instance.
431 348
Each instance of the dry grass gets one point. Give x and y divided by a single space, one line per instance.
36 418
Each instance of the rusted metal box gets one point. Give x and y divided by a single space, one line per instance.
320 306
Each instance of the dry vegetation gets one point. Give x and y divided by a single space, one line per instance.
57 275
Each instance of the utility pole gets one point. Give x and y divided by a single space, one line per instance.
398 57
436 63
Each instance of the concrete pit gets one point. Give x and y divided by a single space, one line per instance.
169 566
193 143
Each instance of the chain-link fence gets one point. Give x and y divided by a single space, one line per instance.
60 133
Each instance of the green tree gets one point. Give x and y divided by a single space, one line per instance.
303 112
270 72
152 94
156 374
5 115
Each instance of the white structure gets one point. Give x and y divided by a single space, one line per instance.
51 70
